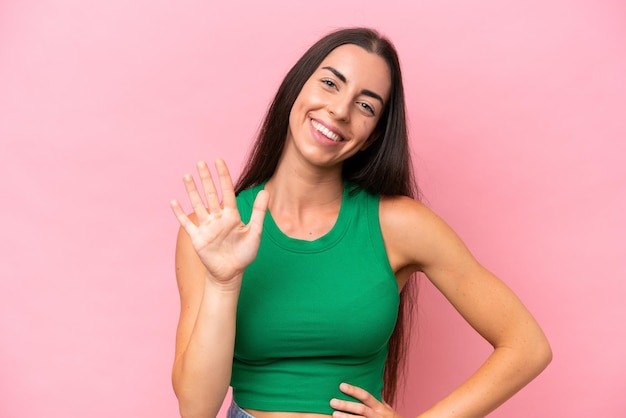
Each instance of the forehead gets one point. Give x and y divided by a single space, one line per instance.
364 70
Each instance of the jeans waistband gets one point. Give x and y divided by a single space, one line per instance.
234 411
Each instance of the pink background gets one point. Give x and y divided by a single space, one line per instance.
518 123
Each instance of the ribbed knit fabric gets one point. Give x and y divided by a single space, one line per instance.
313 314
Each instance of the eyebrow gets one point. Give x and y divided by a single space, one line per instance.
365 92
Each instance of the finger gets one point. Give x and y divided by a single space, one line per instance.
348 409
212 199
183 219
194 197
339 414
360 394
228 191
259 209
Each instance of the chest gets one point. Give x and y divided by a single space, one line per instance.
341 302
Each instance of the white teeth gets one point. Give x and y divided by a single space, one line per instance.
328 134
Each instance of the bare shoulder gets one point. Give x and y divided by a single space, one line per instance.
400 212
414 234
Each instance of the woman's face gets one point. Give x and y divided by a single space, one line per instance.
339 106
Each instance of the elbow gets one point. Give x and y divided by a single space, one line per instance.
191 409
530 355
544 354
539 355
188 405
193 414
194 403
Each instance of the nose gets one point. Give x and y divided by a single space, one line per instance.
339 107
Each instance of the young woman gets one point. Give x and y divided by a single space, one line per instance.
309 258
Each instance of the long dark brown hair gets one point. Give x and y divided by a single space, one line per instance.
383 168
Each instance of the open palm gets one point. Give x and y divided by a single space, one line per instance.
225 245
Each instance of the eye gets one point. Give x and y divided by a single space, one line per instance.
369 109
329 83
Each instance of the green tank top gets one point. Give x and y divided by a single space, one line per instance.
313 314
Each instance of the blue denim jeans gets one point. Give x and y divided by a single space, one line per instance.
235 412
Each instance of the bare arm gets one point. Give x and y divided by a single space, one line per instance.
212 251
421 241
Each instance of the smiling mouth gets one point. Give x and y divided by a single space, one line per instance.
325 131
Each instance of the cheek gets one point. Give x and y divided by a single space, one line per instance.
295 114
367 127
310 95
299 105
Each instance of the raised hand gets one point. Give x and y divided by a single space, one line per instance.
369 408
225 245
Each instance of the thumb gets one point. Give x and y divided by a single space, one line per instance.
259 209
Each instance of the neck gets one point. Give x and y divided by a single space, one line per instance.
304 206
301 189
